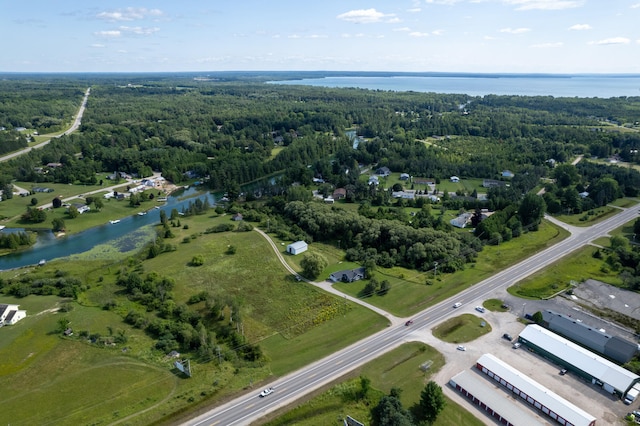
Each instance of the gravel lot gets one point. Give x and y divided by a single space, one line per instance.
608 410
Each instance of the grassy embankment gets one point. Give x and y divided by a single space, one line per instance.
398 368
491 260
577 267
293 322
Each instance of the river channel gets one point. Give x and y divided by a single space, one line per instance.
48 247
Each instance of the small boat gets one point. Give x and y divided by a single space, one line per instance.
141 213
113 222
42 262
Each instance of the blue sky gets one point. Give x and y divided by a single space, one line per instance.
546 36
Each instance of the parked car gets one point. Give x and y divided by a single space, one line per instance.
408 323
516 345
267 391
457 305
480 309
563 371
507 336
461 348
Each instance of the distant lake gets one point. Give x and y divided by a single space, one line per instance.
581 86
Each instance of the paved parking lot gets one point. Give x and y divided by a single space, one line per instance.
608 409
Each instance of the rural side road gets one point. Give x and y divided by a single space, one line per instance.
73 128
326 286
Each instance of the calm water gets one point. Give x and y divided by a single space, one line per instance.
48 247
581 86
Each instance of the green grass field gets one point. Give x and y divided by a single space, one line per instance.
409 293
398 368
293 322
461 329
577 266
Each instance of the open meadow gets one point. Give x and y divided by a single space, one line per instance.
293 322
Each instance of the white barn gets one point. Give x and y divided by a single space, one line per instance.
297 247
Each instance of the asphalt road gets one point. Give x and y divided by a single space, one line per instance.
250 407
73 128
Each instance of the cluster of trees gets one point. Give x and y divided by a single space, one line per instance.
60 284
15 240
387 242
390 412
178 326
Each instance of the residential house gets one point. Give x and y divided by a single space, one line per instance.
407 194
237 217
11 314
491 183
383 171
461 221
507 174
373 180
404 176
297 247
454 179
339 194
347 276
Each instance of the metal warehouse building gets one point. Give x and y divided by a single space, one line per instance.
495 402
612 347
592 367
551 404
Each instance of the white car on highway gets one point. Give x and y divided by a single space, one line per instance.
457 305
267 391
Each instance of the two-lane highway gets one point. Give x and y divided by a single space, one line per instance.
249 407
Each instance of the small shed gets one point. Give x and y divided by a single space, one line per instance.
297 247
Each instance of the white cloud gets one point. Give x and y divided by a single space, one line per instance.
544 4
437 32
580 27
108 34
635 6
446 2
97 45
547 45
414 10
515 30
317 36
490 38
612 40
402 29
139 30
366 16
418 34
129 14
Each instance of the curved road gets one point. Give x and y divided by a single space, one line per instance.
73 128
249 407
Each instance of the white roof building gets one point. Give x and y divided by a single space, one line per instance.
533 392
614 378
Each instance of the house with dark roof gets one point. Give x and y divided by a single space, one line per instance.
383 171
11 314
347 276
404 176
